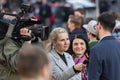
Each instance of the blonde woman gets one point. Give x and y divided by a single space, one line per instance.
63 66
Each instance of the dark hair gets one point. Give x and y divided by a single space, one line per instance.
79 37
31 59
107 20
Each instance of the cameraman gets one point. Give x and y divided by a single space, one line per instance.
10 53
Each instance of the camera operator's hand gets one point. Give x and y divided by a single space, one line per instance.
25 32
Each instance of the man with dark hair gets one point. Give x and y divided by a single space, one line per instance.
105 56
33 63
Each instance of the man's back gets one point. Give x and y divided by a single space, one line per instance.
105 57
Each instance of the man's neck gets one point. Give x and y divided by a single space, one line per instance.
104 34
72 29
91 38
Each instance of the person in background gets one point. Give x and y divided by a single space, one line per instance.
105 56
80 12
5 5
36 10
87 20
91 32
33 63
80 49
63 66
45 13
74 27
62 14
104 6
116 32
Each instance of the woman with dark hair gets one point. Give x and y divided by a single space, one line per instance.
80 49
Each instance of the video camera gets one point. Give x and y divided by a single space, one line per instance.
19 22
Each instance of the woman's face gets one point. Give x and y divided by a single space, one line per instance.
79 47
62 43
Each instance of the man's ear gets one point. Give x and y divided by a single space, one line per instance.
99 25
89 33
72 24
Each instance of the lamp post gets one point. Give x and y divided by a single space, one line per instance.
118 1
97 8
1 5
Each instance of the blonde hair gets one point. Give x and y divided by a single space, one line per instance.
55 32
53 37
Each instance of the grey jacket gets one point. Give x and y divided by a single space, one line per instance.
61 71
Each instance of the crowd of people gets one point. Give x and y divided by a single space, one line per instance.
78 47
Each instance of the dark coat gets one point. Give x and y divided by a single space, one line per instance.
104 61
78 31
